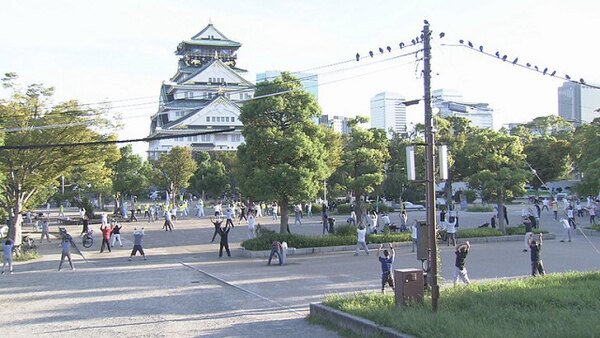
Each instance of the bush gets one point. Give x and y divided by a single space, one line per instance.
478 232
343 209
479 208
316 208
520 230
345 230
470 195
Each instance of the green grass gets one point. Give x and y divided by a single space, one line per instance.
479 208
520 230
478 232
557 305
26 256
595 227
264 241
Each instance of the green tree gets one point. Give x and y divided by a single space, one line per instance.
364 156
211 177
176 168
586 154
130 175
549 157
32 121
496 167
285 154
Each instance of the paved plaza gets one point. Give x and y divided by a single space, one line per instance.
185 290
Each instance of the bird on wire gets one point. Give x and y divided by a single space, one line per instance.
567 77
497 54
357 57
481 49
504 57
389 49
371 53
442 34
582 81
470 44
515 61
401 45
545 71
426 22
528 64
461 41
553 73
380 50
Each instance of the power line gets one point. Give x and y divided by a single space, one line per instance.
105 142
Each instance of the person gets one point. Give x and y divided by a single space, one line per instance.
116 233
200 208
298 214
545 203
45 230
537 266
554 206
460 271
567 229
451 230
592 211
138 238
251 221
275 210
276 249
105 238
442 218
361 240
7 248
505 213
85 225
309 209
403 219
579 208
387 262
229 216
217 209
373 220
353 213
61 211
528 232
385 219
168 225
414 233
242 214
571 216
224 242
104 218
324 217
66 243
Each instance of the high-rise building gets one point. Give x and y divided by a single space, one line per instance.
337 123
578 103
205 94
388 112
451 103
309 81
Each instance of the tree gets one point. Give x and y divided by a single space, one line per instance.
130 175
363 160
549 157
586 154
33 121
496 167
176 168
210 177
285 154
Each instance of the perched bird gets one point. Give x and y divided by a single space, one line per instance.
567 77
536 68
528 64
380 50
553 73
515 61
504 57
426 22
413 41
581 80
481 48
389 49
371 53
461 41
442 34
401 45
497 54
357 57
470 44
545 71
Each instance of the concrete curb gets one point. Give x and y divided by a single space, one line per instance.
374 246
590 232
360 326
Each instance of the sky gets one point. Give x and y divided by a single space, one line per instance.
122 50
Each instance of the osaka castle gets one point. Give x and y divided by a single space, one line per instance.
205 94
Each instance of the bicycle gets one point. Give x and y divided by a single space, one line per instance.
28 244
88 239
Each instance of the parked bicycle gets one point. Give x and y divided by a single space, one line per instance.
28 244
88 239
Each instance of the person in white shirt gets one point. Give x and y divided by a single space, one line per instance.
361 241
451 230
251 220
567 229
218 209
414 235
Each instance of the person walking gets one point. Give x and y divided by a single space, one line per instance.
460 271
45 230
105 238
66 243
387 262
7 249
566 229
537 266
116 234
361 241
276 249
138 239
224 242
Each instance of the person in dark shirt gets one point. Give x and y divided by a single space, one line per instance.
460 271
217 223
387 262
224 243
537 267
276 249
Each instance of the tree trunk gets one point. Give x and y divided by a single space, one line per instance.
16 229
358 210
283 225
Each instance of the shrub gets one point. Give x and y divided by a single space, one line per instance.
316 208
478 232
345 230
479 208
470 195
343 209
520 230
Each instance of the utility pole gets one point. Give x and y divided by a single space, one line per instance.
432 274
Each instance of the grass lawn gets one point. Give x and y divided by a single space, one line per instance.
557 305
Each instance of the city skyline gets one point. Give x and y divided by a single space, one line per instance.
121 52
